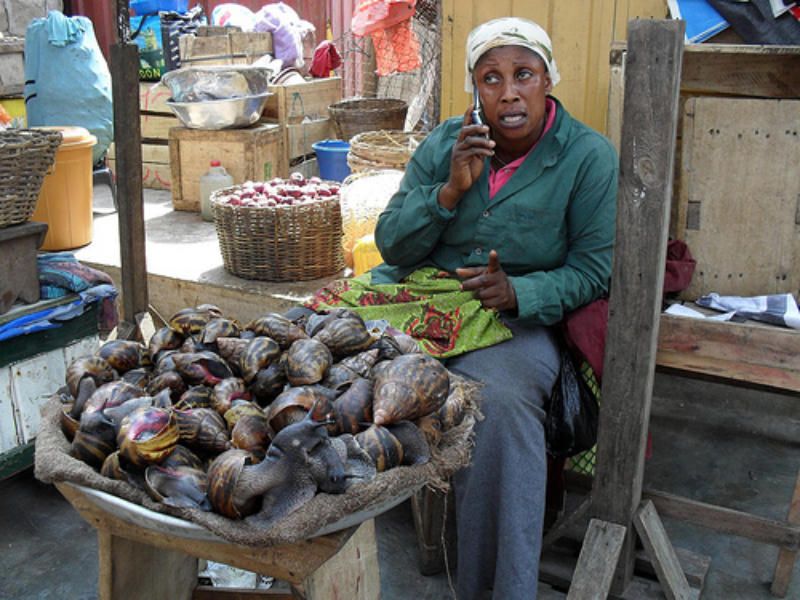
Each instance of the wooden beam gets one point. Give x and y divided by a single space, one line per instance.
746 352
786 558
128 149
597 561
662 554
207 592
652 81
562 527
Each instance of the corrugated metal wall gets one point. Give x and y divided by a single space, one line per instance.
581 30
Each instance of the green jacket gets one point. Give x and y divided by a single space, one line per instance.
552 224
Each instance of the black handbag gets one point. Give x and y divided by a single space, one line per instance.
572 412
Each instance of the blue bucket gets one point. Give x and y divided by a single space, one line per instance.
332 159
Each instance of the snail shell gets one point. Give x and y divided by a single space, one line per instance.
416 450
181 456
69 424
202 367
223 475
293 404
411 386
251 433
269 382
165 338
170 380
258 354
123 355
345 336
218 328
112 468
147 436
202 429
88 366
226 391
197 396
112 394
94 439
307 362
354 407
139 377
452 411
384 449
232 348
431 427
277 327
239 409
190 321
183 487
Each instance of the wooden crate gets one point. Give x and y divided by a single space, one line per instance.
232 48
292 104
156 118
255 153
298 138
156 174
735 198
11 66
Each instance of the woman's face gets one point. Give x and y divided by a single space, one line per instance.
513 84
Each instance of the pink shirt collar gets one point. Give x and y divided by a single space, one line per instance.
498 178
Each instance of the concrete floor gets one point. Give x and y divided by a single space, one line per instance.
714 443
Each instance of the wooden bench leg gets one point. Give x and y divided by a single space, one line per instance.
786 558
136 571
429 508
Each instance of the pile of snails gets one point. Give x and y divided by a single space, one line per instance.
252 421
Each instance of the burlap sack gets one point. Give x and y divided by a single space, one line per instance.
54 464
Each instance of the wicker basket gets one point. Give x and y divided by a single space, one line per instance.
281 243
351 117
25 157
376 150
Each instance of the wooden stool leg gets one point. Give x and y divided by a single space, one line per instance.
429 508
351 573
786 558
137 571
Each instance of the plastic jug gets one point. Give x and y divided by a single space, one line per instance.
216 179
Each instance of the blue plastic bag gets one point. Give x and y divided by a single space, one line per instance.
67 81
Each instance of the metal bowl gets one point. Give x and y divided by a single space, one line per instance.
220 114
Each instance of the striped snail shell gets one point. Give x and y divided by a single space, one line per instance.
94 439
123 355
190 321
94 367
258 354
452 411
226 392
165 338
147 436
411 386
251 433
197 396
112 394
218 328
170 380
431 427
232 348
202 367
183 487
294 404
307 362
277 327
203 430
239 409
181 456
223 475
345 336
384 449
139 377
353 408
269 382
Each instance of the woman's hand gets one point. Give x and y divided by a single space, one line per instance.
490 284
466 163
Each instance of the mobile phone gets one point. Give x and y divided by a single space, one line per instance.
477 119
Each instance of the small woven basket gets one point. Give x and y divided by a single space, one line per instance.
351 117
281 243
376 150
25 157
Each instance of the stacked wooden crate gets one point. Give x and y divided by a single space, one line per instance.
156 121
223 46
301 109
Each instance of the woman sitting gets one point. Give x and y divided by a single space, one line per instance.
498 229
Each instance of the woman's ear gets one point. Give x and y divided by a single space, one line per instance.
548 83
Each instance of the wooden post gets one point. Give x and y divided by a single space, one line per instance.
652 72
786 557
128 149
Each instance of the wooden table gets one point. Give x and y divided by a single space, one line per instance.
150 556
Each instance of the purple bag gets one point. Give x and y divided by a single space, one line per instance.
281 21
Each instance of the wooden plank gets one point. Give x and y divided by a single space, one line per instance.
128 139
252 154
8 425
742 70
136 571
652 77
292 563
726 520
16 460
156 127
231 48
33 382
745 352
567 522
743 232
352 572
786 558
309 100
208 592
659 548
153 98
597 561
300 137
156 172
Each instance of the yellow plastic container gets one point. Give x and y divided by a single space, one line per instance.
15 107
365 254
65 202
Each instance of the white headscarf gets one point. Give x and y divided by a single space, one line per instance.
509 31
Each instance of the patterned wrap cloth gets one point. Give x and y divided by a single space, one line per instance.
444 320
